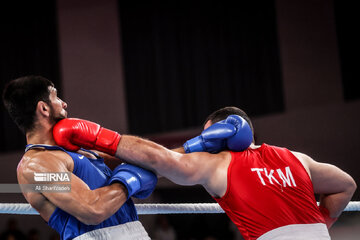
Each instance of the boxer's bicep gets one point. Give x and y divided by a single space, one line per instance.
328 179
191 169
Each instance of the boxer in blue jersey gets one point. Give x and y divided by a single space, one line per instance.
98 206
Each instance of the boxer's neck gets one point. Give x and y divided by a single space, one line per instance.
41 134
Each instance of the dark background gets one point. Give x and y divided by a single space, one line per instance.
157 69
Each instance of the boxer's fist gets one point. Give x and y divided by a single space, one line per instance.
139 182
211 139
329 221
233 133
73 133
243 136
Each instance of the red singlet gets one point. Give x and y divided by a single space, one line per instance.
268 188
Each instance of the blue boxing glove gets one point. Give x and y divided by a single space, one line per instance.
233 133
139 182
211 139
243 136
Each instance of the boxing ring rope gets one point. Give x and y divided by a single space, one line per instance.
145 208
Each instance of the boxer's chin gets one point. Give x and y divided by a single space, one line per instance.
56 117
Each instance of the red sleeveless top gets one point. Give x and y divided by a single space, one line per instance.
268 188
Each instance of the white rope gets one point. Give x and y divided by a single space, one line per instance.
178 208
17 208
143 209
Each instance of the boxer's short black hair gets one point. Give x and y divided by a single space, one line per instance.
21 96
223 113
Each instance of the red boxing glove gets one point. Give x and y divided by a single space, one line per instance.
73 133
329 221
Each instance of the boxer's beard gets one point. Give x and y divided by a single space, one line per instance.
55 117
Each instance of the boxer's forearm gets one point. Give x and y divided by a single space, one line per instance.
144 153
332 205
101 203
178 168
337 202
89 206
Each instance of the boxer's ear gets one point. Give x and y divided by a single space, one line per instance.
43 109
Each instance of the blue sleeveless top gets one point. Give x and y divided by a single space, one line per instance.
95 174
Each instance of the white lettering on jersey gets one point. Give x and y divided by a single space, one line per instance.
258 170
288 177
286 180
270 176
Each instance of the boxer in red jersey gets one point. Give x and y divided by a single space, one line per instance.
267 191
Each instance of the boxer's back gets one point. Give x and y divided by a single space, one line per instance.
268 188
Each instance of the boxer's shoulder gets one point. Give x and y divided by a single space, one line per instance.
216 182
43 160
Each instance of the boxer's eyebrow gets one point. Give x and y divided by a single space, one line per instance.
53 89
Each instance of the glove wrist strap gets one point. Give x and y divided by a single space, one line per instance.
107 141
194 145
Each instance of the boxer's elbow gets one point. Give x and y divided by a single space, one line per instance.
348 186
354 187
351 188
